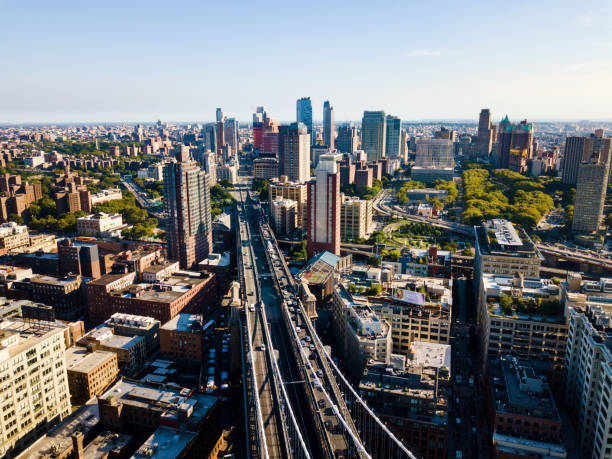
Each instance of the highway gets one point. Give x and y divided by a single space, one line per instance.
142 198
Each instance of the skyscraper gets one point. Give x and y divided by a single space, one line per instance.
323 213
393 136
579 149
304 114
591 193
294 152
219 115
329 128
230 127
515 145
209 132
484 138
348 139
187 203
373 134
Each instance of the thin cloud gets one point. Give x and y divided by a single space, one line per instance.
423 53
594 18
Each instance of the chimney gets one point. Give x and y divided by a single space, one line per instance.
77 445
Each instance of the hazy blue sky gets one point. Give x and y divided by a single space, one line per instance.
133 60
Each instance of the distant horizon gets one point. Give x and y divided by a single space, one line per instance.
317 122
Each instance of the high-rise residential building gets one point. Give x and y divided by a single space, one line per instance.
355 218
348 139
588 376
404 146
579 149
591 190
374 134
34 383
515 145
284 189
294 152
187 203
329 128
284 215
209 164
219 114
304 115
393 136
484 138
324 207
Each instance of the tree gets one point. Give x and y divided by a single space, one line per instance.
225 183
16 218
374 290
506 302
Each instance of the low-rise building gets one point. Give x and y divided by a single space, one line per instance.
167 442
159 271
100 224
183 291
131 351
181 337
103 196
134 325
90 373
520 402
522 316
141 407
265 168
503 248
412 397
13 236
63 293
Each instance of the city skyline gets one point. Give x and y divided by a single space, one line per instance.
68 64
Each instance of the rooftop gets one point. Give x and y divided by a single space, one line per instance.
431 355
79 359
121 342
188 323
165 291
169 399
101 446
501 237
518 389
59 438
165 442
54 280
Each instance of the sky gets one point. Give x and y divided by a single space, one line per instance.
106 61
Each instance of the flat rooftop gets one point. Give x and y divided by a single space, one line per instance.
121 342
53 280
165 442
84 419
431 354
79 359
187 323
519 389
167 399
101 446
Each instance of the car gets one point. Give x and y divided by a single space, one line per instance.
252 308
321 403
311 347
307 339
328 425
320 373
261 347
303 343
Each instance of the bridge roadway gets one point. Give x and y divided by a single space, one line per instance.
268 405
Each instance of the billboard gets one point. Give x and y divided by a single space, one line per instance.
408 296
